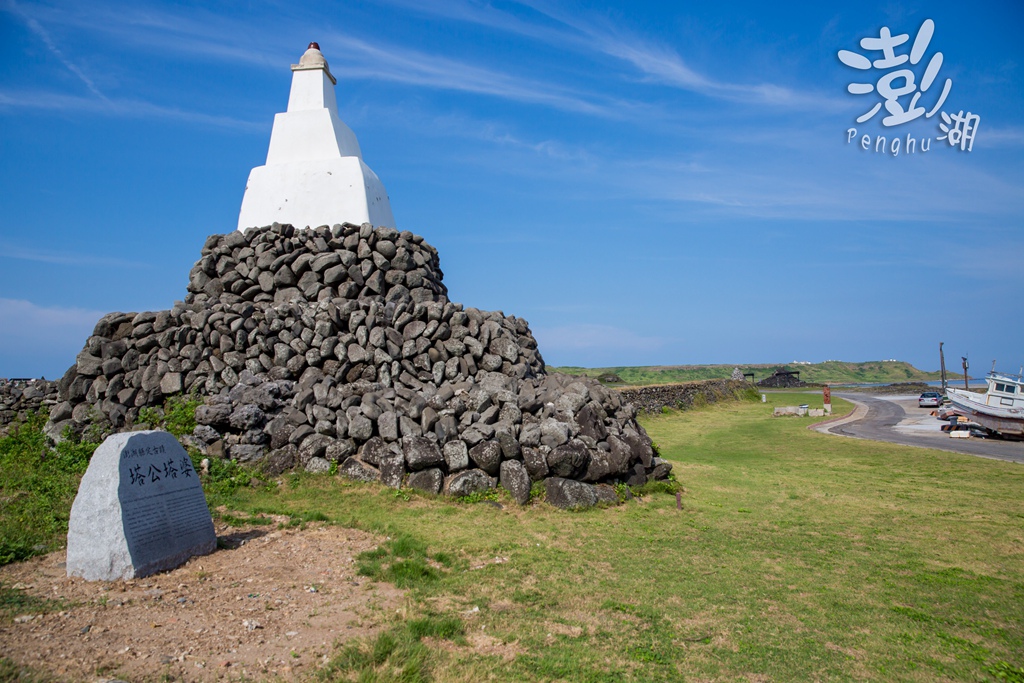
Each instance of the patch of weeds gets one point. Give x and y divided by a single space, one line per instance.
225 477
406 573
233 520
533 598
315 516
394 655
407 546
913 614
669 486
444 559
750 394
37 486
1002 671
537 491
9 671
952 576
692 523
647 654
300 520
98 428
236 521
15 602
437 626
623 492
564 664
177 416
481 496
999 670
401 561
148 418
653 634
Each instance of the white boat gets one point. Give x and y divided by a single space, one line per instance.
999 409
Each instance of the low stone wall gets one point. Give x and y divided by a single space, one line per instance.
19 397
652 399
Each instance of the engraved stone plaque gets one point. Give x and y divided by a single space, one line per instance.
140 509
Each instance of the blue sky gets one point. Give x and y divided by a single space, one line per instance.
646 183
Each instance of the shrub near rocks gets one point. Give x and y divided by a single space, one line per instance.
340 345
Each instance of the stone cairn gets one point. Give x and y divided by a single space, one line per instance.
339 345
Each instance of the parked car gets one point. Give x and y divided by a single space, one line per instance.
929 399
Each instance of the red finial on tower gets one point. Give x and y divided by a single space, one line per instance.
314 46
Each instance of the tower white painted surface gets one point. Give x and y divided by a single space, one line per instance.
314 173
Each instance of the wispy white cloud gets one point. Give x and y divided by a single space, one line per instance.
656 62
999 137
44 35
99 102
403 65
198 33
40 340
234 41
18 314
64 257
425 122
127 108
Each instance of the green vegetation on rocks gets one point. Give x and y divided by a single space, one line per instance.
178 415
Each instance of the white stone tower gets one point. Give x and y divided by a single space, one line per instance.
314 173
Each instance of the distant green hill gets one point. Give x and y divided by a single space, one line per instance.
830 371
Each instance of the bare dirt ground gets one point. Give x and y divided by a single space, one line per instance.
269 604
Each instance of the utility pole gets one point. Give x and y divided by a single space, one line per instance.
966 365
942 362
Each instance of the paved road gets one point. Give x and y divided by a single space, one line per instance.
887 419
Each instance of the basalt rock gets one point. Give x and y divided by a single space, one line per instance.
20 397
340 345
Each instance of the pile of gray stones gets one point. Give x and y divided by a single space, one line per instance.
337 348
20 397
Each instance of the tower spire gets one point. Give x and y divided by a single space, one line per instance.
315 174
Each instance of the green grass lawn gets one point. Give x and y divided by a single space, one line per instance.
796 556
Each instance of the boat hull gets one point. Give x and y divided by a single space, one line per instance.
1008 421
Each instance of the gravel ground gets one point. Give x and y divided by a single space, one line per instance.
271 602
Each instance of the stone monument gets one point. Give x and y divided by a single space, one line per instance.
314 173
140 509
337 345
